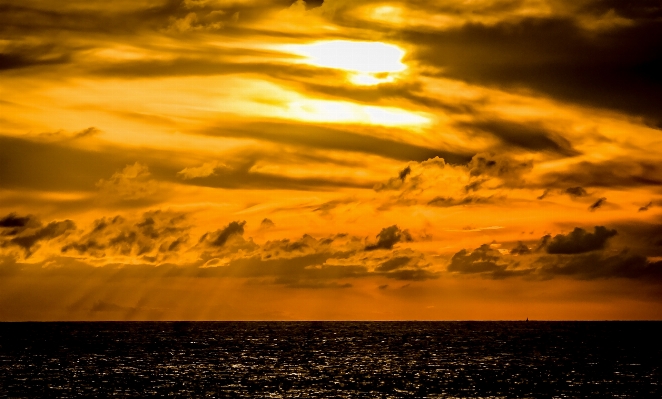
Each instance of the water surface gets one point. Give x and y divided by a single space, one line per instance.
332 359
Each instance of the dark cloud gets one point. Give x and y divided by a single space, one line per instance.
474 185
617 173
305 268
90 131
614 68
123 18
160 230
543 195
57 166
48 232
64 136
306 244
388 237
646 207
205 66
576 192
520 249
502 166
407 90
343 139
310 4
404 173
532 137
220 237
487 263
579 241
412 275
445 202
393 263
266 223
244 177
642 10
578 255
46 166
175 245
32 56
331 205
442 202
482 260
597 204
642 237
12 224
597 265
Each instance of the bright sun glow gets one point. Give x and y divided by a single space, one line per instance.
367 62
346 112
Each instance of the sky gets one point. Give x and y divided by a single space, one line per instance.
330 160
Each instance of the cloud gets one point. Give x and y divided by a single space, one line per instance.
404 173
221 236
13 224
578 255
543 195
12 220
485 176
412 275
646 207
597 204
242 176
90 131
575 192
52 230
132 183
155 237
612 69
48 166
445 202
486 262
62 167
419 173
266 223
520 249
614 173
204 170
597 265
393 263
342 138
288 248
161 238
501 166
23 56
326 207
481 260
579 241
531 136
388 237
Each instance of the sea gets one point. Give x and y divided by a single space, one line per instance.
461 359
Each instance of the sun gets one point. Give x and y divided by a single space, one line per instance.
367 63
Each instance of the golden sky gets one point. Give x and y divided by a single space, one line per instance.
363 160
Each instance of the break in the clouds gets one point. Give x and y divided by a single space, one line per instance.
251 159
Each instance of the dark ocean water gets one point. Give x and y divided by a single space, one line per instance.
332 359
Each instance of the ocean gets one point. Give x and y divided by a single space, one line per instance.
332 359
